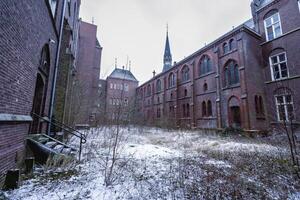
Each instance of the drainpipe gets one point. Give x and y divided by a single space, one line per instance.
52 97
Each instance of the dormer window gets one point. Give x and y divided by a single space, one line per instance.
53 4
273 27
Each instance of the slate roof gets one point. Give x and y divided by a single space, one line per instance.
122 74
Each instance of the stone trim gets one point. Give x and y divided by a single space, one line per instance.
14 118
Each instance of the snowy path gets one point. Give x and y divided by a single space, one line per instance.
158 164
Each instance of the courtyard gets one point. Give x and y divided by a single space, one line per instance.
153 163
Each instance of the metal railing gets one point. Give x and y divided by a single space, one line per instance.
64 127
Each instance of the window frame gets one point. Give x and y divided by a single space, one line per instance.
205 65
273 27
185 74
285 104
279 65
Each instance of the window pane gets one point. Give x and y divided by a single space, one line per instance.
275 18
270 33
281 112
281 57
280 100
274 60
277 29
268 22
290 110
288 98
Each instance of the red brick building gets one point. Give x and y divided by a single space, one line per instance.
247 78
29 44
85 93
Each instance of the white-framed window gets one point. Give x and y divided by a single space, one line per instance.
279 68
53 4
273 27
284 107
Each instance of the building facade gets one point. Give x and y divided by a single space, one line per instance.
120 95
84 97
247 78
29 41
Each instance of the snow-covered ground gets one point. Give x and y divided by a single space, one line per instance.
159 164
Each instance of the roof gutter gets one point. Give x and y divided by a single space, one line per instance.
54 80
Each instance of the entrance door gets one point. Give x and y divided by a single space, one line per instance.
235 116
38 104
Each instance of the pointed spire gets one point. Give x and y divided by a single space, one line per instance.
167 53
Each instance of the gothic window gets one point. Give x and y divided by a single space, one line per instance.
231 44
273 26
205 65
171 80
231 73
205 87
185 73
158 85
285 107
225 48
204 113
53 4
148 90
209 108
183 110
185 92
279 69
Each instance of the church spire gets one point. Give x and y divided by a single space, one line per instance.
167 54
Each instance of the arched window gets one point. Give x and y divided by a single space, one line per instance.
225 48
185 92
231 44
158 85
148 90
204 113
205 65
209 108
231 73
171 80
183 110
185 73
171 96
205 87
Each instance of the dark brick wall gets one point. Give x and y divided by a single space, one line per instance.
88 71
25 27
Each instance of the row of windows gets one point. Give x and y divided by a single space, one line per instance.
227 47
116 102
117 86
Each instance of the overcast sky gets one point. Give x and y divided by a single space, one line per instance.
137 29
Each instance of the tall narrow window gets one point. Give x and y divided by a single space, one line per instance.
279 69
185 92
209 108
259 105
205 87
205 65
231 74
285 107
158 85
225 48
185 73
204 113
148 90
171 80
158 113
273 27
183 110
231 44
187 110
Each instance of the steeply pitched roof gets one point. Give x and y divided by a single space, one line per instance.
122 74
